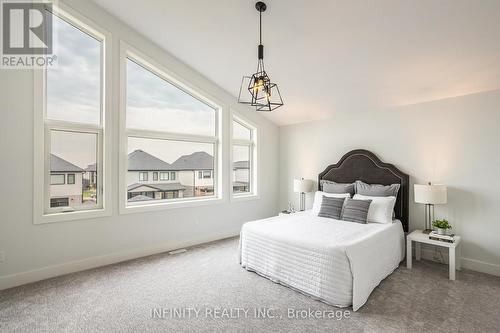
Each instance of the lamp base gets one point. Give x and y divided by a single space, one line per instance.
302 201
426 231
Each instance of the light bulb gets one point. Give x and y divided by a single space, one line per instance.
258 85
255 88
267 96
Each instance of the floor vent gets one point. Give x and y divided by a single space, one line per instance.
177 251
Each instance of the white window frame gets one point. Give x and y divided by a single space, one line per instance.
252 144
42 212
141 174
164 173
58 174
129 52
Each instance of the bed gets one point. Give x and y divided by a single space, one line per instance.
334 261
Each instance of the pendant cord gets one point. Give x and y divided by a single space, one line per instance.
260 28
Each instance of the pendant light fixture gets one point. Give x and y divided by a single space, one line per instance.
263 94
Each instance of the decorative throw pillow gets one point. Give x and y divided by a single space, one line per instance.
381 208
318 199
333 187
376 190
331 207
355 210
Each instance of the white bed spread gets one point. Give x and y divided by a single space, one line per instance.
337 262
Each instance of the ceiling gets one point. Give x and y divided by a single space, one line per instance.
332 56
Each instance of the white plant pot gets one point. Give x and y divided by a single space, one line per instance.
441 231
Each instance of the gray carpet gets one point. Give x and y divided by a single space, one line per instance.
119 298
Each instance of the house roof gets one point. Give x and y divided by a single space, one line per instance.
158 186
199 160
58 164
139 160
91 167
241 165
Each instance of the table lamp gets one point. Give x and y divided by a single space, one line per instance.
430 195
302 186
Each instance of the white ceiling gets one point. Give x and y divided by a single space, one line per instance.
332 56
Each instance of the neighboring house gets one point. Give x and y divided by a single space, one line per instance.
190 175
241 176
151 177
90 176
65 183
196 173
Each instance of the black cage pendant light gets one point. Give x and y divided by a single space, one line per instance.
258 90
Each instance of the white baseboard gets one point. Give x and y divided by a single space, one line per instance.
481 266
472 264
13 280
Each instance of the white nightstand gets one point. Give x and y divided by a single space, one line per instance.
419 237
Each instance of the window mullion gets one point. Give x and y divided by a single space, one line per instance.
242 143
72 127
147 134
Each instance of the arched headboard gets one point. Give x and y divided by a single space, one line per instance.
363 165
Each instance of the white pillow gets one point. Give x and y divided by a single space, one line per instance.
318 199
381 208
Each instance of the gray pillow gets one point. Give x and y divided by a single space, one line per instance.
333 187
376 190
331 207
355 210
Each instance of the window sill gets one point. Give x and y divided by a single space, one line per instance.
141 208
71 216
244 197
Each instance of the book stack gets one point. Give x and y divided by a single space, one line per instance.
443 238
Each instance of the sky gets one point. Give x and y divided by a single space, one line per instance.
73 86
74 93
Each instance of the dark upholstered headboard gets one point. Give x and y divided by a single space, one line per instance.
363 165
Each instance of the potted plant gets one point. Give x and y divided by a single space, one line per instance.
442 226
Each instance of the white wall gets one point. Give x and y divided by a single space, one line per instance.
39 251
65 190
454 141
186 177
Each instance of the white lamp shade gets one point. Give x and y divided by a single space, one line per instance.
431 194
302 185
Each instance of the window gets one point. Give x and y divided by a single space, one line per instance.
155 176
69 117
59 202
56 179
168 128
243 157
143 176
200 174
207 174
75 70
